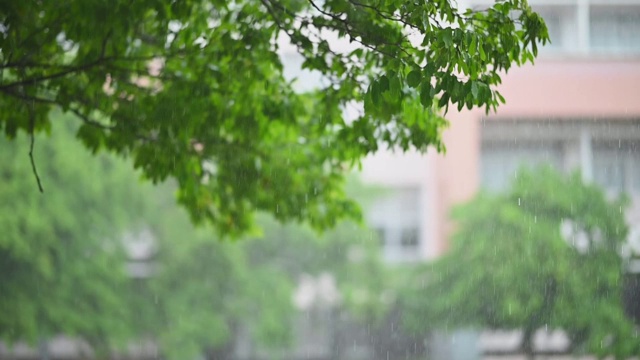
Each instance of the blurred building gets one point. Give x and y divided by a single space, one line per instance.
404 215
577 108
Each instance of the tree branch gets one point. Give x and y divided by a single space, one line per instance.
354 33
52 76
66 70
28 97
384 15
89 121
32 121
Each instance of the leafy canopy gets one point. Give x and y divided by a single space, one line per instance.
63 266
194 90
544 254
61 259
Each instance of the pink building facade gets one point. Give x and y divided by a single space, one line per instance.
577 108
569 111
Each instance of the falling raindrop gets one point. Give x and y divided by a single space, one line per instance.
518 201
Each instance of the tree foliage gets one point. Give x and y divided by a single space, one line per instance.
208 291
544 254
194 90
63 269
61 260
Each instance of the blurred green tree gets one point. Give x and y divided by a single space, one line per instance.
547 253
194 90
63 263
61 256
207 291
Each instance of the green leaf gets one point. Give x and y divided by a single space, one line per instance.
426 97
444 100
474 89
473 46
395 87
414 78
447 37
375 93
383 83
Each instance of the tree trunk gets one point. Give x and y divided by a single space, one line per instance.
222 352
527 342
334 318
43 349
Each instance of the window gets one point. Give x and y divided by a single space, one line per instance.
560 20
616 165
615 28
587 26
409 237
501 160
608 151
395 217
554 26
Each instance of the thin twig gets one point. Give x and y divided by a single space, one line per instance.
27 97
88 120
386 15
31 133
66 70
354 33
